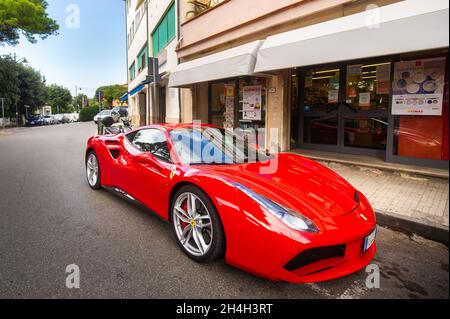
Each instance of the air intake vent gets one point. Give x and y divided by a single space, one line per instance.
313 255
356 196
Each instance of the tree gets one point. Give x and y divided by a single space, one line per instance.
9 84
27 17
58 96
111 92
20 85
33 92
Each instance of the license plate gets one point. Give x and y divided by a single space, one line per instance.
369 240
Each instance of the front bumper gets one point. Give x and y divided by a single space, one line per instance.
346 259
268 249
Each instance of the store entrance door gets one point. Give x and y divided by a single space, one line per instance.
344 108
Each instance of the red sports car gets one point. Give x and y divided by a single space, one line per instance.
279 216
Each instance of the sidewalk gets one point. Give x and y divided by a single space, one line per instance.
9 130
404 200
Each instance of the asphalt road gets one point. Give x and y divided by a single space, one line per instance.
50 218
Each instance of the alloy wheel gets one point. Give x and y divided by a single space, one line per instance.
193 226
92 169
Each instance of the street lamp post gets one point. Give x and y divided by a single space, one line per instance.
99 101
77 89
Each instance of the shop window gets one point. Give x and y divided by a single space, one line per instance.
221 95
321 130
321 89
366 132
252 108
249 93
252 102
368 86
420 106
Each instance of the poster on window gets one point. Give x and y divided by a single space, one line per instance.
229 97
333 90
418 87
383 79
252 100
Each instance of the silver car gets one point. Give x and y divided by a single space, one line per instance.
101 115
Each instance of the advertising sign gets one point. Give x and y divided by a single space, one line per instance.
333 90
228 98
384 79
418 87
252 103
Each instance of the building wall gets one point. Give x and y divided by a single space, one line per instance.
168 59
135 45
172 94
236 22
277 116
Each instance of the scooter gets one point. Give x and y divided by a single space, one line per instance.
118 122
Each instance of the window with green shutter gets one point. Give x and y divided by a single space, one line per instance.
165 32
142 58
133 72
155 43
171 23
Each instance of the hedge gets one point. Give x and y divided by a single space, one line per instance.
87 114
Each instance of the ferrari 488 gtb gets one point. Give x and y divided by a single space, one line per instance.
279 216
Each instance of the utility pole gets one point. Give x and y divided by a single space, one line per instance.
99 101
3 112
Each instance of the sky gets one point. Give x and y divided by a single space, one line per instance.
88 52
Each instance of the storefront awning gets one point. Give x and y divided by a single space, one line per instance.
136 90
230 63
406 26
124 97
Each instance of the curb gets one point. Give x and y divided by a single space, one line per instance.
390 167
411 226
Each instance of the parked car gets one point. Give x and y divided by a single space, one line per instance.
49 120
57 119
73 117
279 216
35 120
65 119
102 115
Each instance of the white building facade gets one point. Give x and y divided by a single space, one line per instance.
152 32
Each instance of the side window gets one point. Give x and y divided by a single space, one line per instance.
153 141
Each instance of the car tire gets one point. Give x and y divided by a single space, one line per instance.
93 174
214 237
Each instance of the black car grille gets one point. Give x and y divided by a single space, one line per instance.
313 255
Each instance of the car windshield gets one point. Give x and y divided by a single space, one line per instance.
208 146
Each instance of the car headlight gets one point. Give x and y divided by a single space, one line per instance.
288 216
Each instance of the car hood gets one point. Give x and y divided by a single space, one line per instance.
295 182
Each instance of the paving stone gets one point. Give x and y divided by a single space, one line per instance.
422 198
